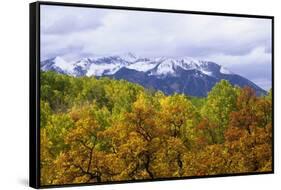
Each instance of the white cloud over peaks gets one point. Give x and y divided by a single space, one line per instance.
256 65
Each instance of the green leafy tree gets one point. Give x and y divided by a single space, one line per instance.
220 102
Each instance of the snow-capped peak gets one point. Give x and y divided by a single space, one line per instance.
59 60
189 60
83 62
169 66
129 57
165 67
62 64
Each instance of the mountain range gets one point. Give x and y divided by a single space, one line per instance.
170 75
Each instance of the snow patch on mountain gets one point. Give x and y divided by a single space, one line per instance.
206 72
170 65
102 69
224 70
142 66
85 62
61 63
165 67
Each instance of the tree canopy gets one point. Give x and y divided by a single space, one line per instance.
101 129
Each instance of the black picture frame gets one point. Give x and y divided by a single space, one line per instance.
34 88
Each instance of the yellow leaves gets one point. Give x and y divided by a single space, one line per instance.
133 147
267 167
177 115
176 108
81 179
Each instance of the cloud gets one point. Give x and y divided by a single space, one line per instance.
57 20
256 65
233 41
152 34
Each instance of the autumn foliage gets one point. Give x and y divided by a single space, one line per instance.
98 130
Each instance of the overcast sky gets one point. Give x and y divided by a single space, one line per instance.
243 45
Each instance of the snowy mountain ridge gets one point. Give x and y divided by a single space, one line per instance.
109 65
170 75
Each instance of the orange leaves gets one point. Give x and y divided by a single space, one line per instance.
233 134
249 132
246 97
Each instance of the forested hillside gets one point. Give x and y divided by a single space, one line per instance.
97 130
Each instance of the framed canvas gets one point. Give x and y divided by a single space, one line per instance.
126 94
